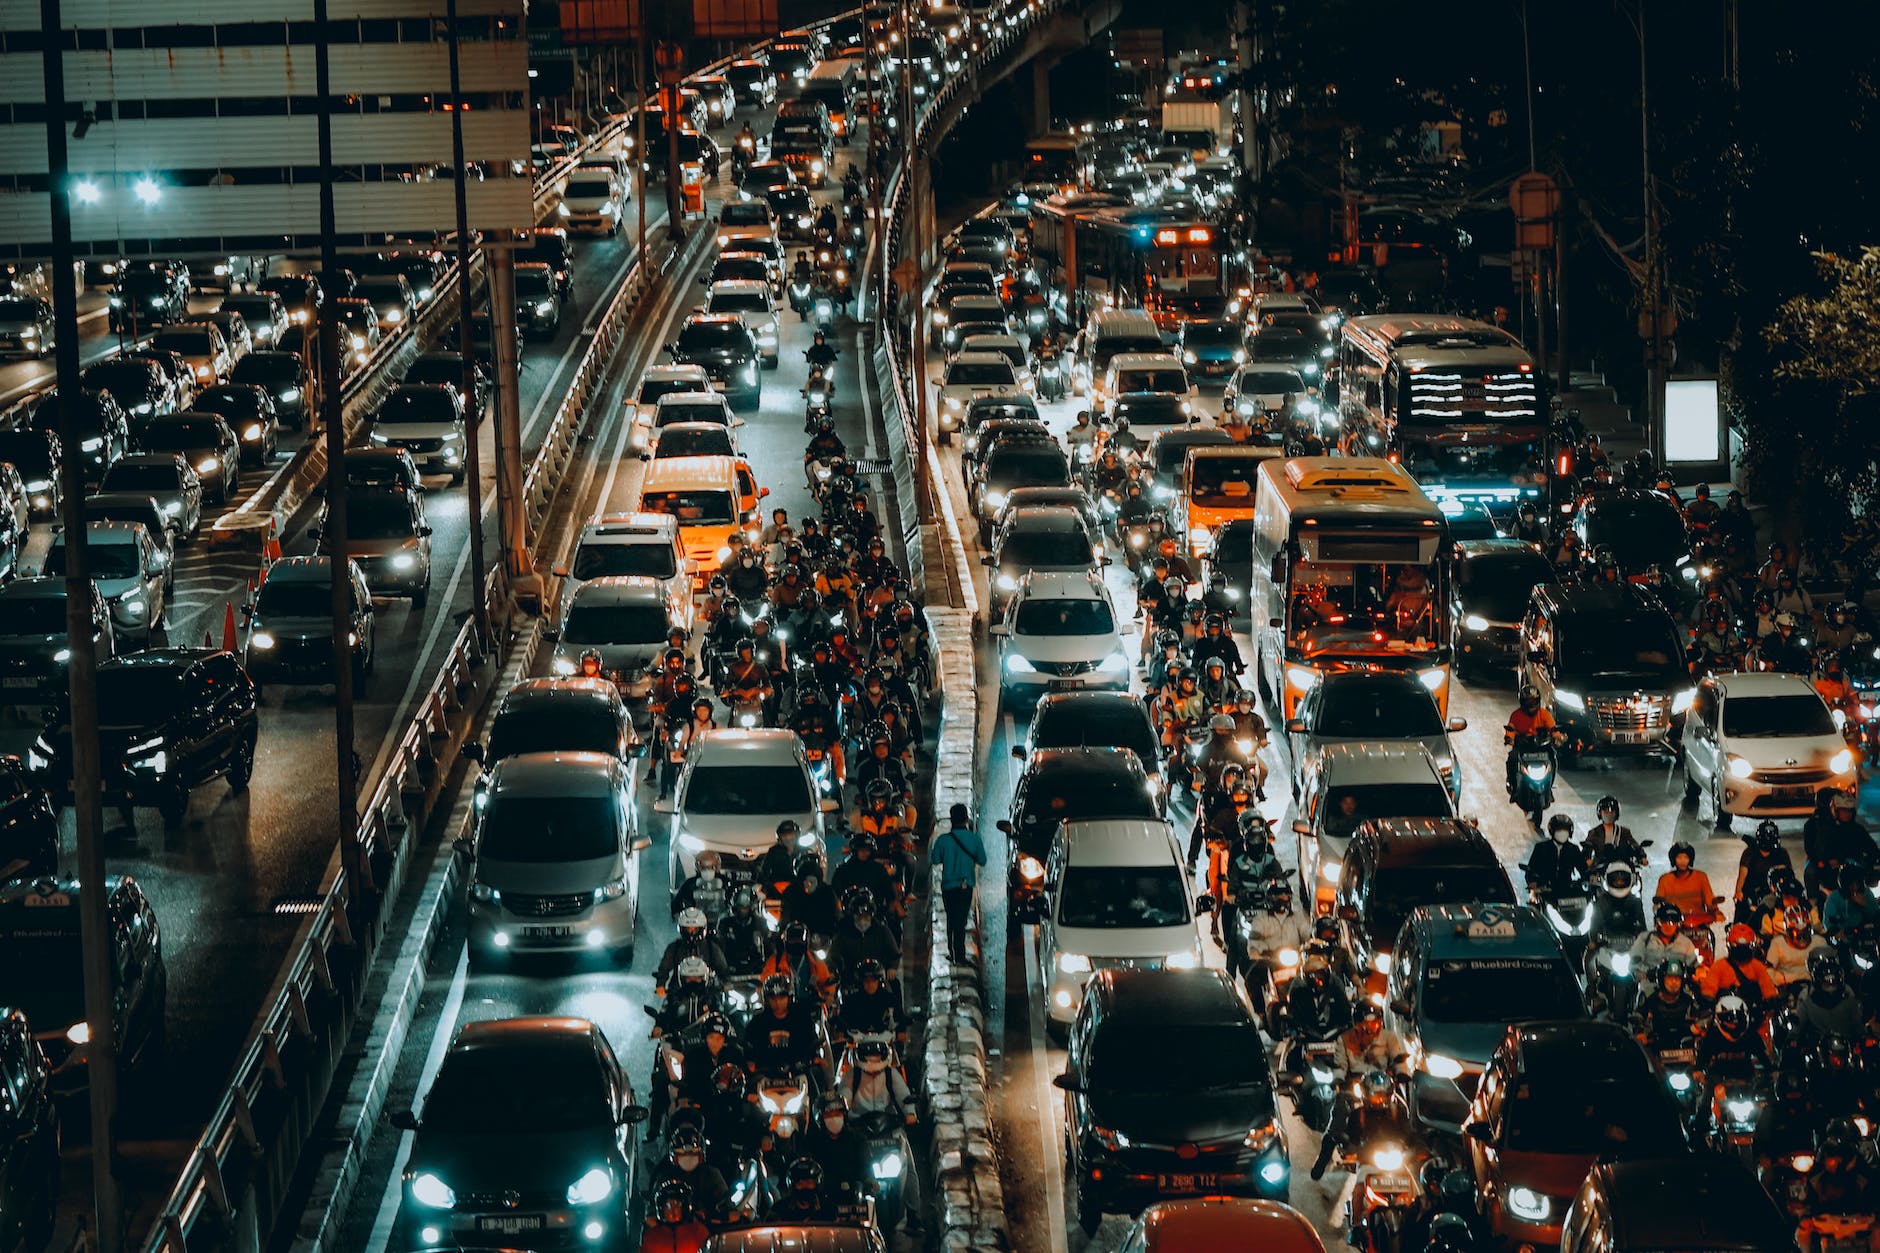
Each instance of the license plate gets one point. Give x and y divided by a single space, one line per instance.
18 682
1671 1057
1063 685
547 933
1631 737
1389 1185
509 1224
1187 1183
1795 795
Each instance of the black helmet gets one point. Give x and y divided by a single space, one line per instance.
777 986
806 866
744 900
788 829
1449 1232
858 900
805 1174
1825 969
1732 1015
715 1023
880 793
1667 912
1530 695
795 938
1560 823
672 1200
864 841
1376 1087
869 968
1767 836
1607 805
1672 968
1684 847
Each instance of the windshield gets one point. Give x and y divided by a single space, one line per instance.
189 343
128 694
1498 588
615 624
1279 346
1141 1057
1396 890
746 213
713 337
549 828
1162 409
1377 708
107 561
43 977
1222 481
1573 1110
1641 533
1601 645
1112 897
1030 549
1213 335
695 440
652 389
33 615
554 726
738 302
130 379
1027 467
517 1091
156 478
987 373
595 561
1385 800
747 270
171 435
282 598
1105 725
18 310
704 409
705 508
1064 617
418 406
588 188
1364 607
444 371
238 401
1754 716
384 515
1509 989
266 368
1271 382
748 791
1233 547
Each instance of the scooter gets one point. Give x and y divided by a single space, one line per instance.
1051 378
1316 1082
1534 769
816 400
1612 977
888 1163
1736 1110
800 297
1383 1190
823 312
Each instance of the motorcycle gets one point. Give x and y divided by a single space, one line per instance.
1050 371
1570 914
1534 770
1267 977
1383 1191
1678 1066
800 289
783 1096
1612 977
1837 1233
888 1162
823 312
1736 1110
1316 1082
817 402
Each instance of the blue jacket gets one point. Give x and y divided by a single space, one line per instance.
960 853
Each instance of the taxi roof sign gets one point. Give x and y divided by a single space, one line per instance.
1490 924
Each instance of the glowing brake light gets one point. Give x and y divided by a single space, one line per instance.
1165 237
1199 235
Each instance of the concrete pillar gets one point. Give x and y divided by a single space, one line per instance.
1040 116
512 521
924 244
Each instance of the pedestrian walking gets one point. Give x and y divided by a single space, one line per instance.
961 853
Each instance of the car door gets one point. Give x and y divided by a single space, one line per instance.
199 738
150 562
1702 746
1047 918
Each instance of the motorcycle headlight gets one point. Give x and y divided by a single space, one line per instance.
1030 868
543 308
1073 964
1527 1204
262 640
93 444
1741 1111
889 1167
1622 965
431 1192
563 665
290 395
1442 1067
592 1188
1331 871
1535 772
1388 1158
1679 1080
1474 622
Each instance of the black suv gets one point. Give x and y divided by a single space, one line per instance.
1066 785
290 624
35 454
29 826
1394 865
249 411
104 434
1644 530
1609 663
556 715
29 1137
1168 1092
726 349
33 639
40 975
286 379
169 720
144 299
1491 582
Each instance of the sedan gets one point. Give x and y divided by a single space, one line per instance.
535 1109
391 296
137 385
166 478
752 303
261 311
130 573
285 378
26 327
249 411
1347 706
538 302
207 443
1048 538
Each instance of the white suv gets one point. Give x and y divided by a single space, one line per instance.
1060 635
970 376
736 787
633 543
1143 372
1763 746
1386 779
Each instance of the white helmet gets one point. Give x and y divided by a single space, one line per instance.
692 921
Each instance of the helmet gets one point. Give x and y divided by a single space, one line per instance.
1853 878
1530 696
1671 968
1325 927
693 972
1682 847
805 1175
1842 800
777 986
859 901
672 1200
715 1023
707 862
833 1105
1167 639
1215 623
1221 724
1798 928
1619 881
673 659
1785 621
744 901
1560 828
869 968
1376 1087
1732 1015
873 1054
1279 897
807 866
1839 1142
1194 610
728 1080
1667 912
1767 836
1825 969
687 1140
1741 942
692 923
1449 1232
1253 826
590 661
1607 805
795 938
862 842
788 830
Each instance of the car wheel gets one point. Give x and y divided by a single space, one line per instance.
1723 817
174 807
241 768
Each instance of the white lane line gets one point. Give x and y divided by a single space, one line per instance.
393 1196
1049 1155
577 343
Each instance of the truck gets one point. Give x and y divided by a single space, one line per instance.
1201 125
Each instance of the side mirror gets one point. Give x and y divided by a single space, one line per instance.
1067 1082
1458 724
1301 827
248 609
463 845
1277 571
424 531
762 492
560 572
1274 623
663 806
632 1114
1295 726
1477 1131
1018 751
471 751
551 635
1400 1006
989 562
998 630
1204 904
641 845
315 531
404 1119
1003 825
646 454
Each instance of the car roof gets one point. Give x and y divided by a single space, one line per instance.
1144 360
700 399
796 1237
1500 547
1597 599
576 1033
979 358
1425 841
584 775
634 526
1082 759
669 373
1372 678
1228 1222
1564 1044
1357 762
1762 684
1168 997
107 531
1118 842
33 587
1045 518
714 319
572 689
158 659
740 287
299 570
15 895
1695 1201
746 745
1064 585
620 589
1488 931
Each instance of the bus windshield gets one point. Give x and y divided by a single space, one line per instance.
1335 607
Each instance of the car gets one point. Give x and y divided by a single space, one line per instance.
736 786
129 571
551 1082
538 301
1168 453
290 625
389 538
549 245
1221 1222
35 454
803 150
359 331
300 296
286 379
173 719
751 302
261 311
41 982
234 328
624 619
427 421
1168 1093
1212 350
27 328
391 297
753 80
447 370
593 200
1396 864
983 409
1643 530
1763 746
143 509
970 307
695 148
794 213
1609 662
1095 720
663 380
691 439
1151 413
1036 540
1074 498
1459 973
761 176
1490 584
1059 635
1016 463
725 347
1689 1203
104 434
143 299
1287 349
29 833
554 854
1143 372
994 434
249 411
1004 344
1382 780
166 478
1376 705
692 408
1269 392
642 544
720 100
1467 521
176 369
1065 785
742 222
201 345
137 384
1556 1099
563 714
747 267
382 468
206 443
29 1137
33 639
1116 896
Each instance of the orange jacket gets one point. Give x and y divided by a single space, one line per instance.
1692 894
688 1236
1720 977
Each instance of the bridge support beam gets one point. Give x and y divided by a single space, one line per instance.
1038 107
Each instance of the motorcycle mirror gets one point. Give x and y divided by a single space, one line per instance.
471 751
1274 623
1003 825
642 844
1018 751
998 631
1204 904
551 636
1295 726
989 561
1067 1082
1477 1131
1301 827
1536 655
631 1114
462 844
830 804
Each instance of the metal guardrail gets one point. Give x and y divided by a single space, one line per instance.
230 1188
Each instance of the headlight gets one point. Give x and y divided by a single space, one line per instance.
62 656
1572 700
1680 1080
1682 701
995 500
1739 767
1622 965
290 395
39 485
1073 964
252 431
1442 1067
1240 356
1381 963
1433 679
1301 677
563 665
1331 871
1188 358
1187 959
543 308
430 1191
262 640
1525 1203
172 508
145 408
404 561
207 465
1841 762
592 1188
1199 535
1015 664
889 1167
1005 582
562 209
93 444
1030 867
482 891
79 1033
393 315
1474 622
1388 1158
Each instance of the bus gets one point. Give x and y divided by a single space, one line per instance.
1457 402
1062 160
1093 248
1340 544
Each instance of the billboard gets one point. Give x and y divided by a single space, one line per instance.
1693 422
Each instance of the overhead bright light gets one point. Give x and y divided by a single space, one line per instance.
147 191
86 191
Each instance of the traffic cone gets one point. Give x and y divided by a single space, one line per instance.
228 626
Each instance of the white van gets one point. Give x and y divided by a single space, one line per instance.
1111 331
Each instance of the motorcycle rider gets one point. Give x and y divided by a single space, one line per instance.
1528 525
713 1046
1665 941
1841 629
1318 1006
874 1087
1215 642
673 1224
861 868
742 935
1783 651
1618 916
1530 720
1356 1121
685 1162
1835 840
871 1004
837 1147
1249 871
1218 811
778 864
1081 440
705 890
1740 971
747 680
1731 1049
785 1037
1792 948
1270 928
1828 1007
1762 858
803 1198
1667 1018
1688 888
1844 1183
1556 866
1609 840
1223 750
1851 906
693 940
808 900
1367 1045
693 994
858 939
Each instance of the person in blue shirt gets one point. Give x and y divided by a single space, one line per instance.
960 853
1851 906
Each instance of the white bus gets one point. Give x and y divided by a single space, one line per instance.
1341 546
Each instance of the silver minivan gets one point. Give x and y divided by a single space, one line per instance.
554 858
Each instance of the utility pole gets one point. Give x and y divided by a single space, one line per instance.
352 858
1652 302
81 669
500 260
667 59
640 162
466 337
914 180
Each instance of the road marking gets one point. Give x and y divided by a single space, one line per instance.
579 342
1054 1164
393 1195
